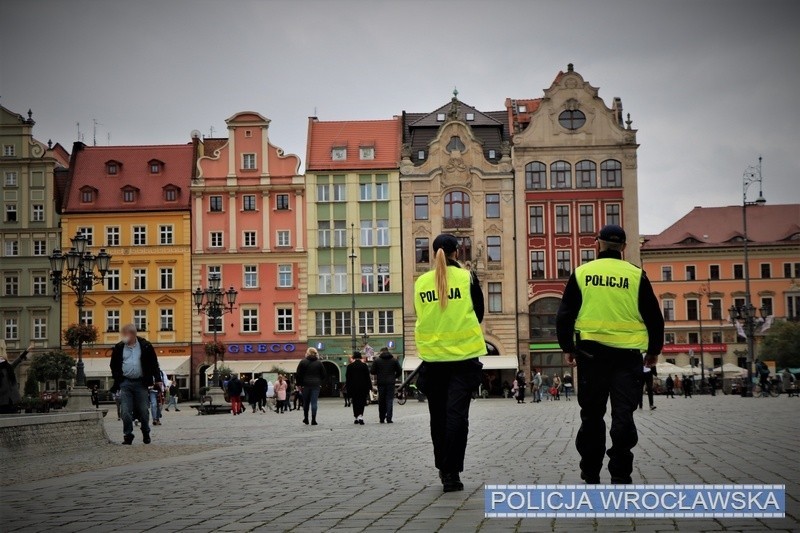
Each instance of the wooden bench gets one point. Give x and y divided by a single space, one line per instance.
205 407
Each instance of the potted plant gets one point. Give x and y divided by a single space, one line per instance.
78 334
214 348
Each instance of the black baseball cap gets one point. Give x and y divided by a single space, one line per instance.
447 242
612 233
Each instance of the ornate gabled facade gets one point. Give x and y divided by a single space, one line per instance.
575 167
456 176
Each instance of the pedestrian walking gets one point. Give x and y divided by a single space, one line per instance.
449 305
134 367
670 385
156 393
520 380
712 384
608 316
567 382
96 396
345 392
386 370
260 390
648 372
310 376
251 394
173 397
688 386
280 388
359 383
9 388
234 390
537 387
556 388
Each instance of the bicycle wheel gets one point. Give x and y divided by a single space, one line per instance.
756 390
401 397
774 392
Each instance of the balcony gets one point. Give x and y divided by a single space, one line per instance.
457 223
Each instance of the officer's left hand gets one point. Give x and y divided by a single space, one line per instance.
650 360
569 359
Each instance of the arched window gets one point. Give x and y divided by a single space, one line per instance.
560 175
542 314
535 175
457 212
611 173
586 175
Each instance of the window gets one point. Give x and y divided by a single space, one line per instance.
382 191
11 248
339 154
694 338
587 256
129 195
340 279
37 213
112 280
385 322
112 168
666 273
339 233
560 175
282 202
323 193
791 270
713 271
586 175
11 179
112 236
11 328
537 264
166 320
366 233
738 271
464 253
493 249
691 309
285 319
140 319
324 234
610 173
716 338
250 276
766 303
612 214
215 272
366 153
343 322
715 306
365 192
87 196
366 322
492 206
165 234
249 202
766 270
522 108
325 280
469 116
422 250
248 161
536 213
571 119
691 273
669 309
39 285
249 239
563 263
562 219
139 235
248 133
216 239
213 324
285 276
140 279
249 320
440 117
456 209
367 279
383 278
170 194
382 233
155 168
215 204
284 238
542 317
492 154
495 297
40 327
421 208
586 218
11 286
39 247
339 192
11 212
165 277
88 233
323 321
421 155
793 306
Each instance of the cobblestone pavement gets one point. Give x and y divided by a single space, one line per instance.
269 472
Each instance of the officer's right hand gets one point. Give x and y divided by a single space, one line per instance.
569 359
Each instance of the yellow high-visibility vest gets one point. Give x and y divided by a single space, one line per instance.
609 311
452 333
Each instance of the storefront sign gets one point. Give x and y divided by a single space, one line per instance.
263 347
686 348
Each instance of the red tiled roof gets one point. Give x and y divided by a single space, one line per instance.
88 168
531 105
717 226
383 135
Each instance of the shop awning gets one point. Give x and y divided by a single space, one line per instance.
490 362
97 367
175 365
258 366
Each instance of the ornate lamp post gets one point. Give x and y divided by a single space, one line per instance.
79 276
214 303
746 316
352 257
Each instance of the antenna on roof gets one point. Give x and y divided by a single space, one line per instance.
80 135
211 131
109 138
94 131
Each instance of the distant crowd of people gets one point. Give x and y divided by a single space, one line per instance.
549 387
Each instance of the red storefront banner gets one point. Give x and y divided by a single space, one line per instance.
684 348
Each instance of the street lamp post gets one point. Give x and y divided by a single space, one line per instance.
352 257
80 277
214 303
747 315
704 290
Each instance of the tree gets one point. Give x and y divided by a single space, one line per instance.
77 335
31 385
782 343
54 365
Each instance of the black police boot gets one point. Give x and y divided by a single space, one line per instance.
451 482
626 480
590 479
127 439
146 437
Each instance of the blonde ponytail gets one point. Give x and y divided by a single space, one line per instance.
440 263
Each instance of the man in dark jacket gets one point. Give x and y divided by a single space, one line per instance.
358 386
260 390
134 367
235 389
310 376
9 390
386 370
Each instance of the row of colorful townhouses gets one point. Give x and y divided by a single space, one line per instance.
326 257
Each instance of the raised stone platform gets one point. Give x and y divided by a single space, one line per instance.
38 434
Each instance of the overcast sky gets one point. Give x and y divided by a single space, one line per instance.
710 85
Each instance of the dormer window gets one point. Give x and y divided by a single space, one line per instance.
88 194
171 193
421 155
129 194
367 153
470 116
155 166
440 117
112 167
522 109
339 153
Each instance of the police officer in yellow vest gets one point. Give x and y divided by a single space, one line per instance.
449 306
608 316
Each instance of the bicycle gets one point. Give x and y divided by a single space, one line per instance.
766 390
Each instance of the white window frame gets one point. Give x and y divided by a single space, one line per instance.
385 321
112 275
246 236
166 314
249 161
9 150
39 329
136 233
250 271
113 231
324 279
339 154
366 153
381 191
39 284
140 319
365 191
665 308
166 230
112 320
283 233
211 238
168 274
245 199
37 213
11 248
139 274
11 179
282 272
11 328
11 207
40 247
250 322
88 232
280 314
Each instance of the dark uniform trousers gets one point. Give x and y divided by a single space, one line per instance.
604 372
449 387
